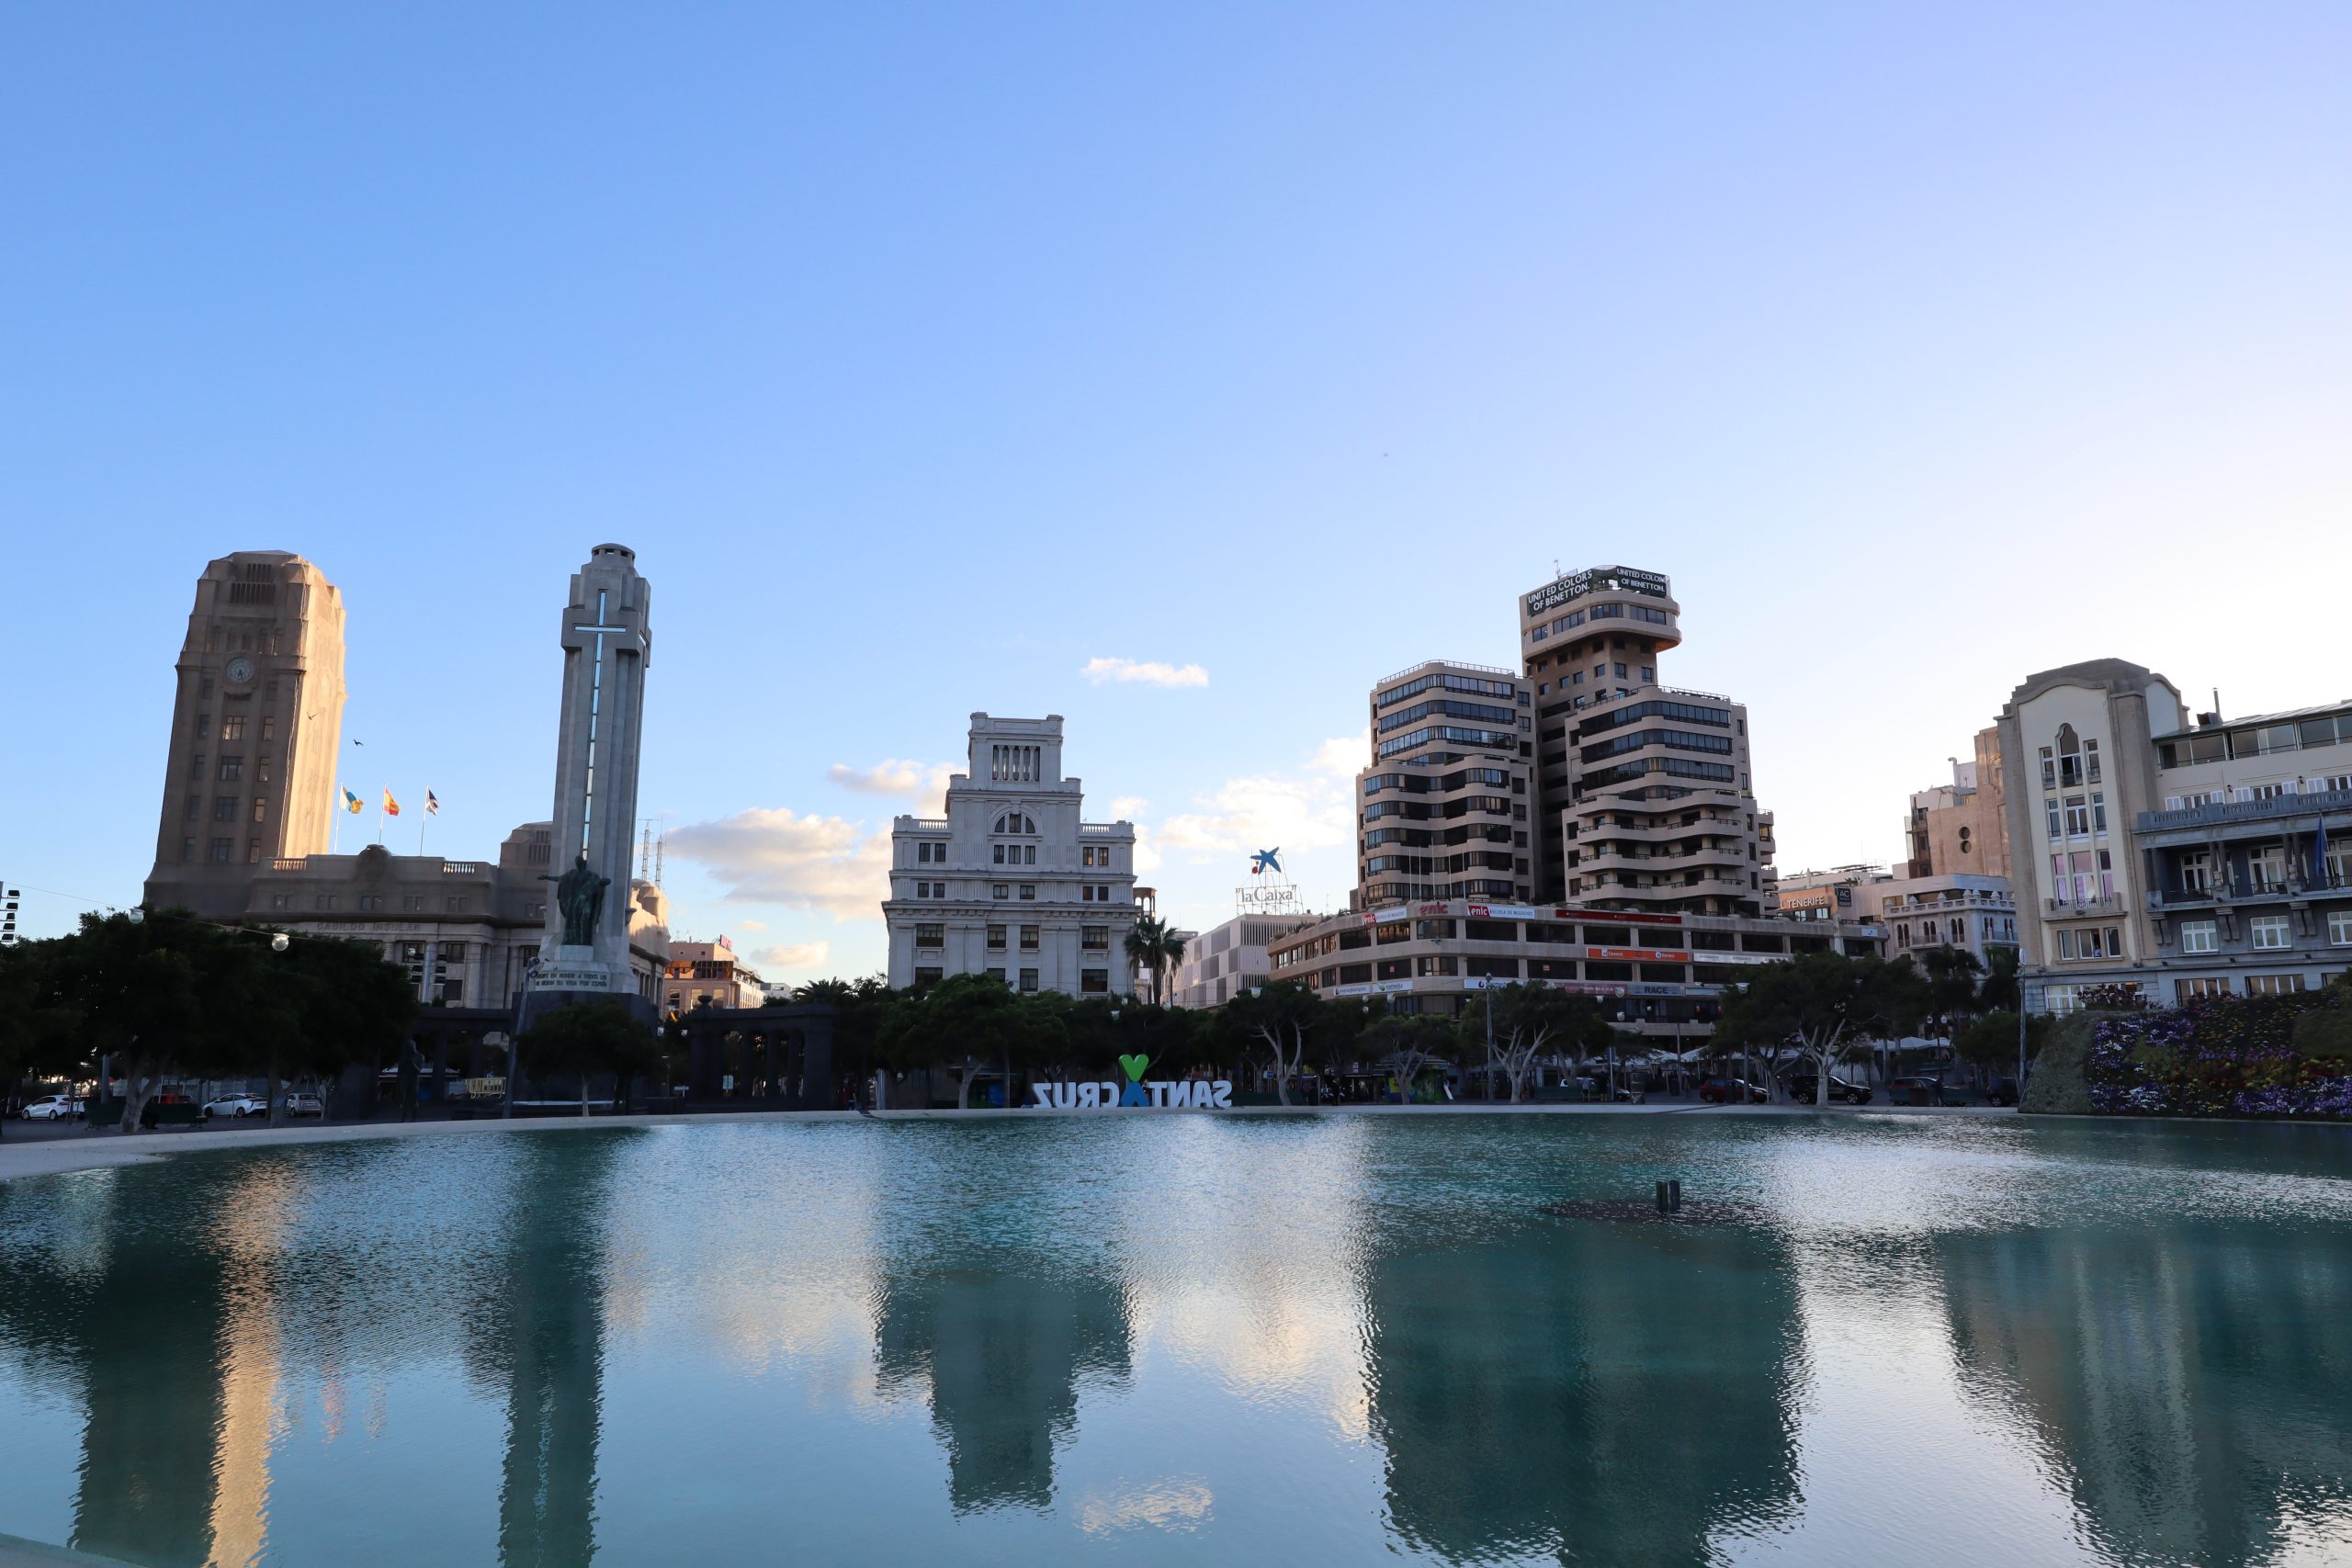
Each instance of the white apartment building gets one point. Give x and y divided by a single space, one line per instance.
1228 959
1012 882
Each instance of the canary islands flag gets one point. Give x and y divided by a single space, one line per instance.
351 802
391 806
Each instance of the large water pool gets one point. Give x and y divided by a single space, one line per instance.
1172 1339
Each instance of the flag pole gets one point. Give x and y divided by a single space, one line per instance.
421 816
380 816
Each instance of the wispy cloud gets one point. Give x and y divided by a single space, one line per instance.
924 784
794 957
1129 670
778 856
1291 811
1127 807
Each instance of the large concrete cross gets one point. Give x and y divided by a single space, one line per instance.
595 707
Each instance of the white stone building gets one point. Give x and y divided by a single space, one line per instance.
1012 882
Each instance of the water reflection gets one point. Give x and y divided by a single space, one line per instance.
1002 1354
1601 1392
547 1327
2189 1386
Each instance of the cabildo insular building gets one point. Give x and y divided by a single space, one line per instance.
1011 882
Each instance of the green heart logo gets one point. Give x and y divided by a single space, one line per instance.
1135 1066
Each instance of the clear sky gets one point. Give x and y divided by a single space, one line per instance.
927 355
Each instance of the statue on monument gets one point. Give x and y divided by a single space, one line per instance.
580 894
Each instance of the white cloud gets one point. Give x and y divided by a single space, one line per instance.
1247 815
1146 852
1127 807
1125 670
777 856
925 784
1346 755
774 963
750 925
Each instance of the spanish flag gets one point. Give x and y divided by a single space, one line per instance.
391 806
352 803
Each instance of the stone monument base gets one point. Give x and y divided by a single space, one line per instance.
576 969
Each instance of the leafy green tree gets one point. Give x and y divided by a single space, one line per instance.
1998 991
1279 1018
135 986
1988 1043
1952 974
1822 1004
331 1001
861 1008
1409 1044
1529 1021
966 1023
37 1033
592 1037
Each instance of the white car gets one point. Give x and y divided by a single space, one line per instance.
236 1107
52 1108
304 1105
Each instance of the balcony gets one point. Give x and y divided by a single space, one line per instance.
2248 890
2098 904
2274 813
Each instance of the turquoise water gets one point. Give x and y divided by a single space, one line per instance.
1169 1339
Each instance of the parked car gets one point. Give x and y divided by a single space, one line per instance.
236 1107
301 1104
1804 1088
2003 1091
52 1108
1730 1091
169 1108
1920 1090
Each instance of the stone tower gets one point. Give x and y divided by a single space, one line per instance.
607 640
255 727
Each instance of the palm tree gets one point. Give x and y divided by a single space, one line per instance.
1153 946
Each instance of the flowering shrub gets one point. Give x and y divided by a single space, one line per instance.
2216 1056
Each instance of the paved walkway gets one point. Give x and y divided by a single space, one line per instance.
85 1150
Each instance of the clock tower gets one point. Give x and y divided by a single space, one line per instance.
250 775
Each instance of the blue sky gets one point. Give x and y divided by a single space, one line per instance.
927 354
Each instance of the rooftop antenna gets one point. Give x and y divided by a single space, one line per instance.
644 852
659 845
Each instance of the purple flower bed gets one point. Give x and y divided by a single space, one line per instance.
2216 1056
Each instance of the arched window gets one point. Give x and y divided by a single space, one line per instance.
1014 822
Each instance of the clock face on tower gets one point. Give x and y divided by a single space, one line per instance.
240 671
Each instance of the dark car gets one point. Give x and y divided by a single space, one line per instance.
1916 1092
1730 1091
1803 1088
2003 1091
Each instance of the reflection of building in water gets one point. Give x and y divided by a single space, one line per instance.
1603 1394
1004 1353
2194 1384
549 1330
250 1233
135 1327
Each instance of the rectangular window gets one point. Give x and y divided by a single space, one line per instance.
1086 893
270 727
1029 891
1093 982
1098 937
2199 936
232 770
1103 894
233 728
413 903
369 901
2273 985
261 809
996 936
931 977
188 849
253 851
2050 813
196 766
1000 890
2209 986
2339 928
2098 814
922 890
2268 930
455 905
326 900
998 853
2048 770
2065 944
931 936
2078 818
224 808
1028 979
1028 939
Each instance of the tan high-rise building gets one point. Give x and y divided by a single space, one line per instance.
255 727
1442 811
1644 797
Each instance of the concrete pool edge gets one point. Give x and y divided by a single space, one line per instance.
100 1151
16 1552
